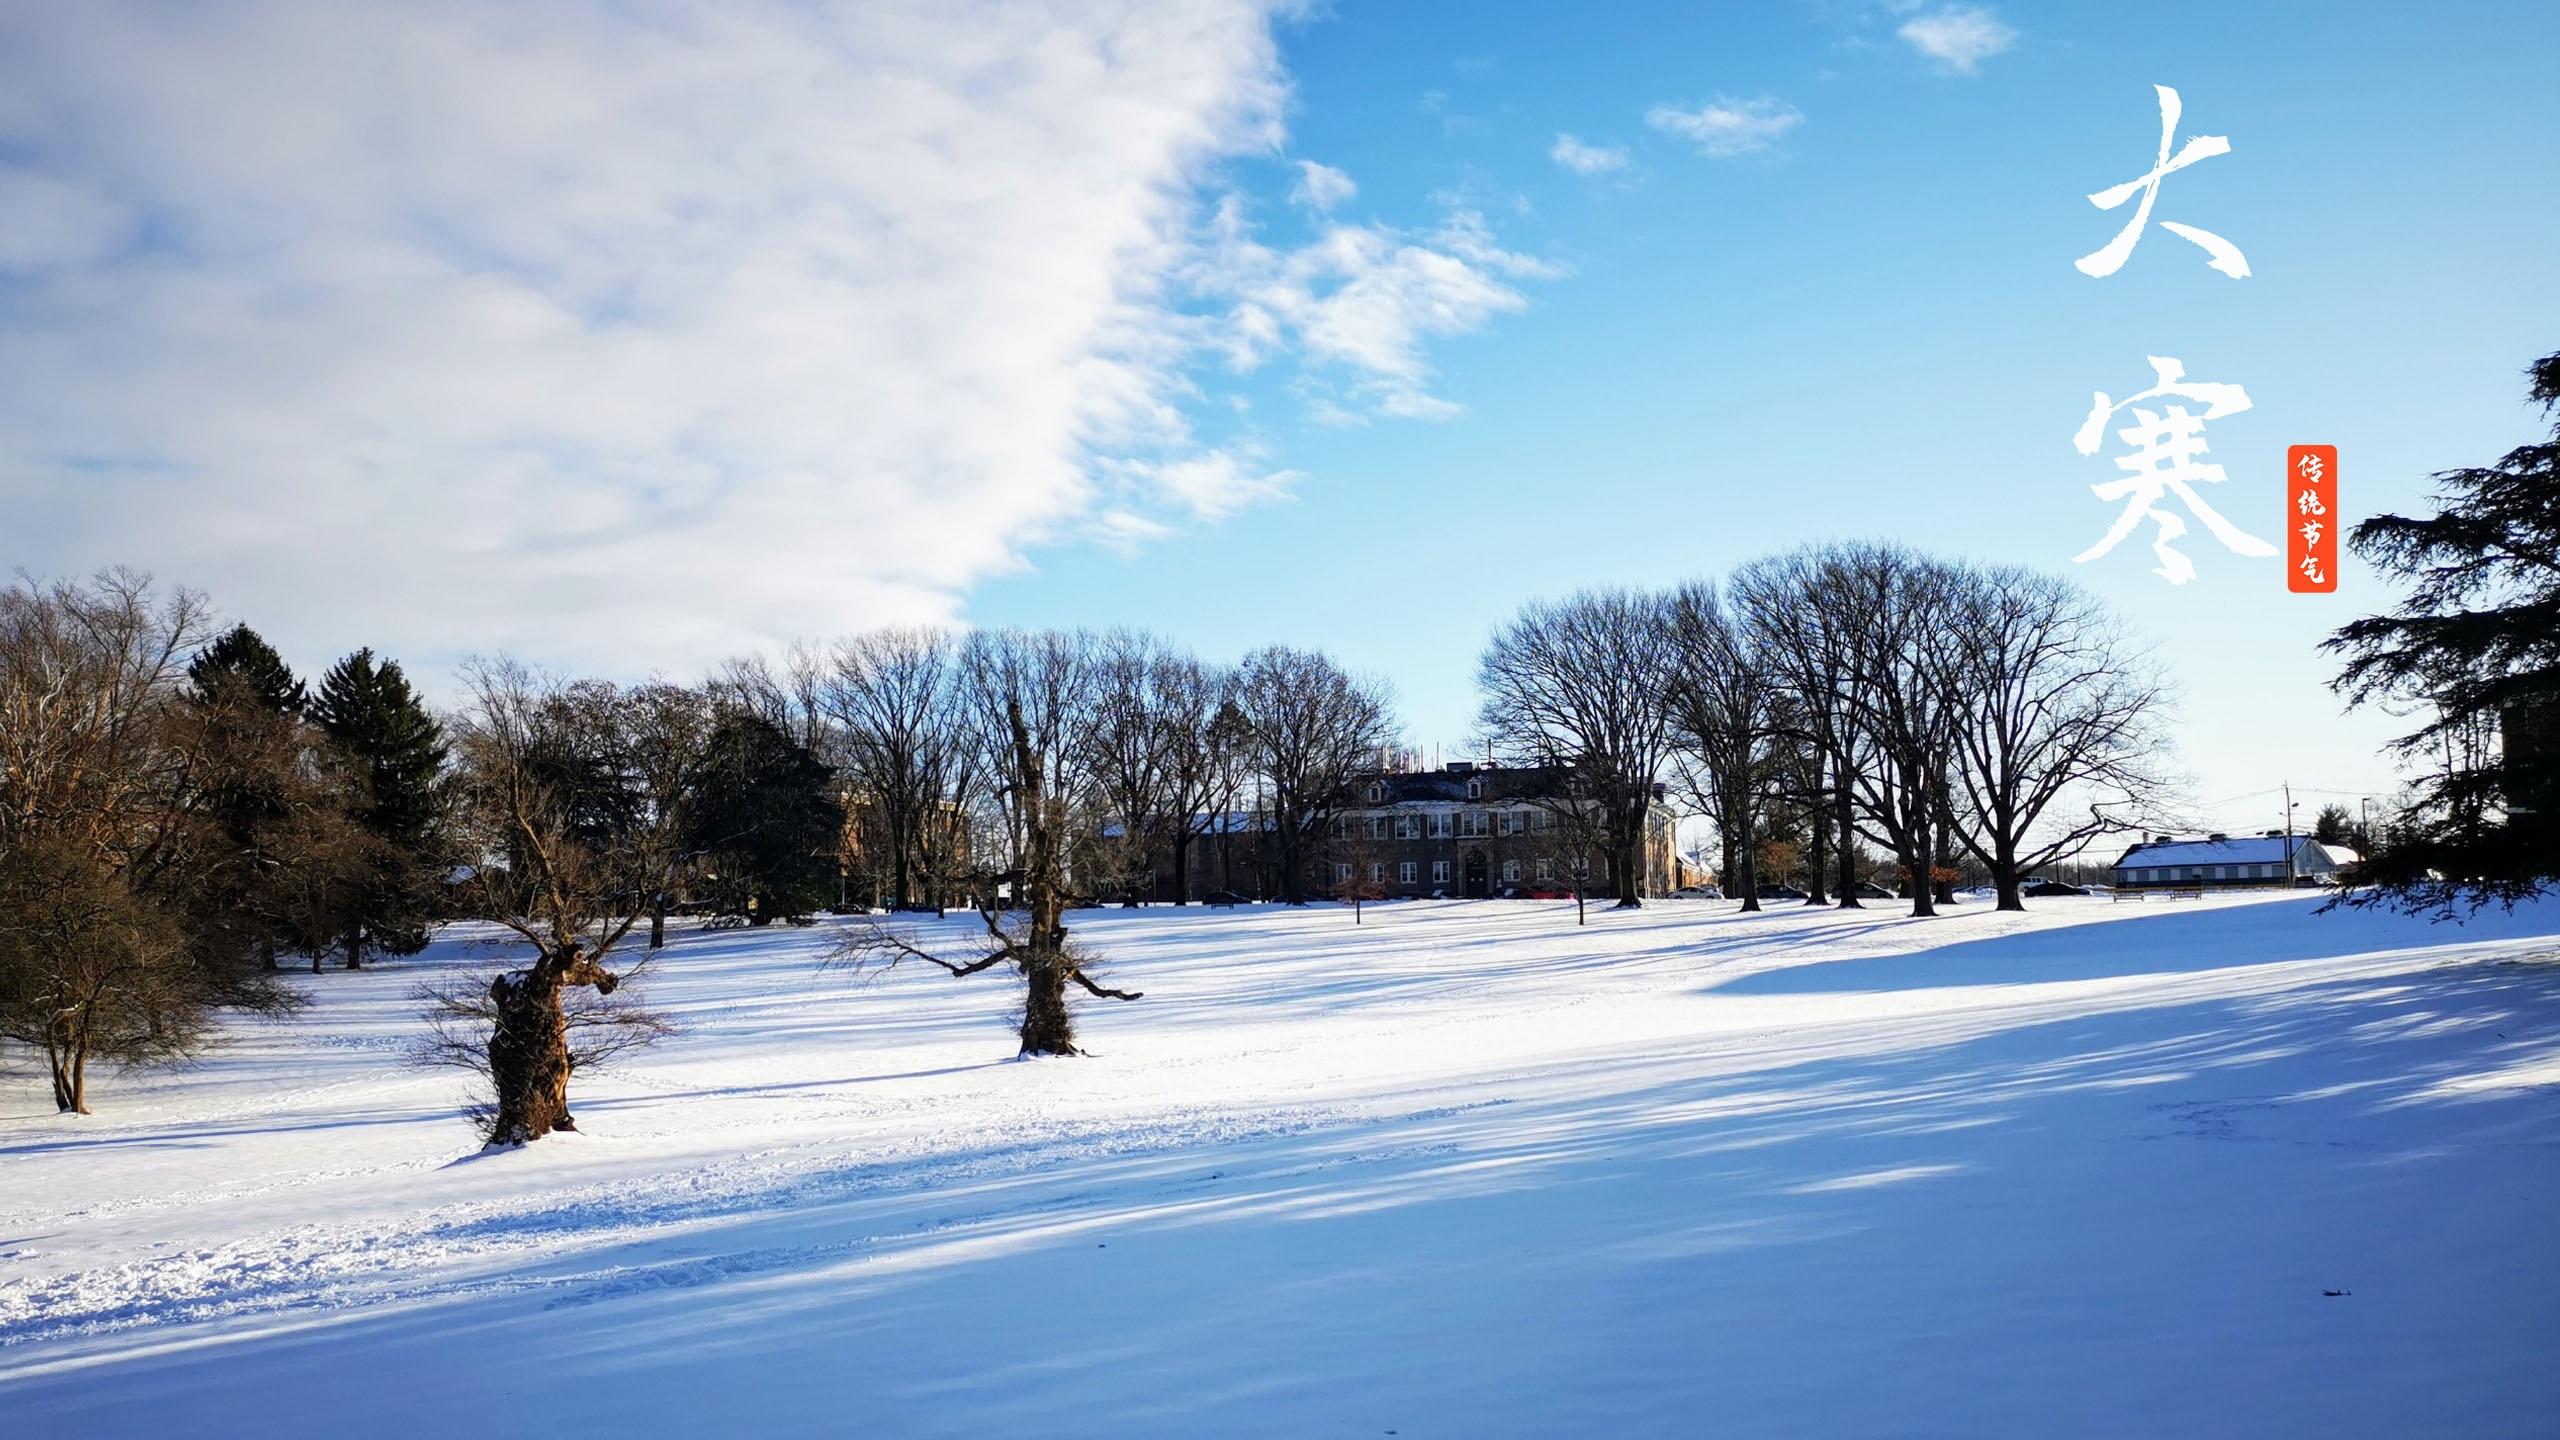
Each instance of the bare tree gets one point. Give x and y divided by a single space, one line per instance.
1191 706
109 835
1360 864
465 1013
1310 726
891 693
1720 700
1581 683
790 696
1900 609
670 734
575 859
1796 612
2053 705
1130 753
1568 825
1030 697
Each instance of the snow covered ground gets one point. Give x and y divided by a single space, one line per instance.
1463 1170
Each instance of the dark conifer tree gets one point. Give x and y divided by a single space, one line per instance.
244 708
2477 645
242 664
764 817
396 752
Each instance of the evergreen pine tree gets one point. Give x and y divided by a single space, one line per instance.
397 753
244 709
2477 645
765 816
241 663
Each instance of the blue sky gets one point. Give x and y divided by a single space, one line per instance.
626 335
1874 328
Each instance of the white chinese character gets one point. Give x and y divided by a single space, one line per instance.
2166 444
2311 570
2311 468
2226 256
2311 533
2309 503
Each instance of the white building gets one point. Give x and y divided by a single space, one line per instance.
2226 861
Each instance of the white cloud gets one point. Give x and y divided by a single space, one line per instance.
1209 486
621 334
1959 37
1321 187
1586 159
1361 302
1725 127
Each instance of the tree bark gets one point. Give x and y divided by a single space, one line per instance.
529 1046
1182 864
355 949
1816 882
1844 807
2005 878
1293 884
529 1058
899 879
1627 884
1746 859
66 1048
1047 1028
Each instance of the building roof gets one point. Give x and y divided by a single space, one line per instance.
2237 850
1448 785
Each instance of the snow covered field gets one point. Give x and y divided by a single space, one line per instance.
1463 1170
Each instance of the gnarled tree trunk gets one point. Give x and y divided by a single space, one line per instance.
529 1046
66 1053
1047 1028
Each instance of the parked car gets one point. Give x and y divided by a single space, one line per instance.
1224 897
2044 888
1699 892
1781 892
1869 891
1546 892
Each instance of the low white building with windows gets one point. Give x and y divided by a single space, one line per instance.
2229 862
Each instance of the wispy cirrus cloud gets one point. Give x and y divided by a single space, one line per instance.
1958 38
1320 186
1725 127
1359 305
632 333
1583 158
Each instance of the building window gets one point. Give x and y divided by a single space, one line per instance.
1439 872
1341 873
1475 789
1377 827
1510 871
1408 827
1475 824
1546 869
1440 825
1514 821
1541 820
1377 793
1377 872
1405 873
